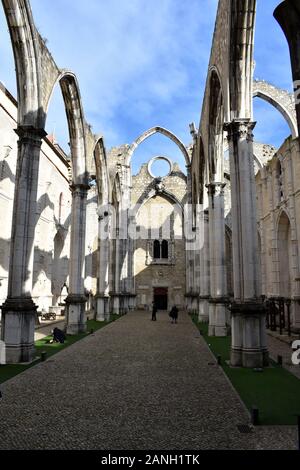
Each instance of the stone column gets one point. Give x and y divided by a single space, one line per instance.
248 315
75 302
204 267
131 250
116 298
124 253
102 298
218 285
19 311
288 16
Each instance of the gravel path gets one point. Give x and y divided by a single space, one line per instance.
134 384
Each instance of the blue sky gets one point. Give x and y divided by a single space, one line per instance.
143 63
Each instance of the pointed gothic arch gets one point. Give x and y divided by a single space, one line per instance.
25 44
102 177
284 253
215 126
241 52
76 123
281 100
158 130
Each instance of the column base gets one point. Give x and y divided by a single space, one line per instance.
217 317
102 308
249 359
115 304
18 323
203 311
75 314
188 303
211 316
132 302
249 346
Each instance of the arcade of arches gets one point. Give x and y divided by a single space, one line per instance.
81 235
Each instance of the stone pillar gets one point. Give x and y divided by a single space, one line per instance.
116 298
204 267
75 302
131 250
248 314
102 298
218 285
288 16
19 311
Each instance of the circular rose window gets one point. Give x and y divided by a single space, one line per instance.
160 167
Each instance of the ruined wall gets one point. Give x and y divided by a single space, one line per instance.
159 218
51 252
278 207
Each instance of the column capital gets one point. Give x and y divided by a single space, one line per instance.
31 135
215 188
79 189
240 128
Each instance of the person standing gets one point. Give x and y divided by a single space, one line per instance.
154 311
174 314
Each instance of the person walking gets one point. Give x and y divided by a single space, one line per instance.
154 311
174 314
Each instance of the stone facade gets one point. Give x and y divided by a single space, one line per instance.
159 217
278 200
52 230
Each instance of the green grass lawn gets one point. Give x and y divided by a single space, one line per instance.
9 371
275 391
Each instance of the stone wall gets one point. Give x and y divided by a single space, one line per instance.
159 218
278 198
52 244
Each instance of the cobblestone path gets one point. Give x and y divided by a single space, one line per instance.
134 384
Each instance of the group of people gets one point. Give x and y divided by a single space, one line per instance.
173 313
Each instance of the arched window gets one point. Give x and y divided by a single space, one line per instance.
156 250
165 249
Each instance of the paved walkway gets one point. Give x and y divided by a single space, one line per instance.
134 384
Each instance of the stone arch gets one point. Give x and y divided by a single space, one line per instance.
170 198
241 49
103 183
215 125
282 100
164 193
258 162
158 130
284 253
116 201
202 167
116 189
25 44
195 197
76 124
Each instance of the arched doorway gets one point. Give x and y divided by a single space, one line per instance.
284 250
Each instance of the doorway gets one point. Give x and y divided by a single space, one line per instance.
160 297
